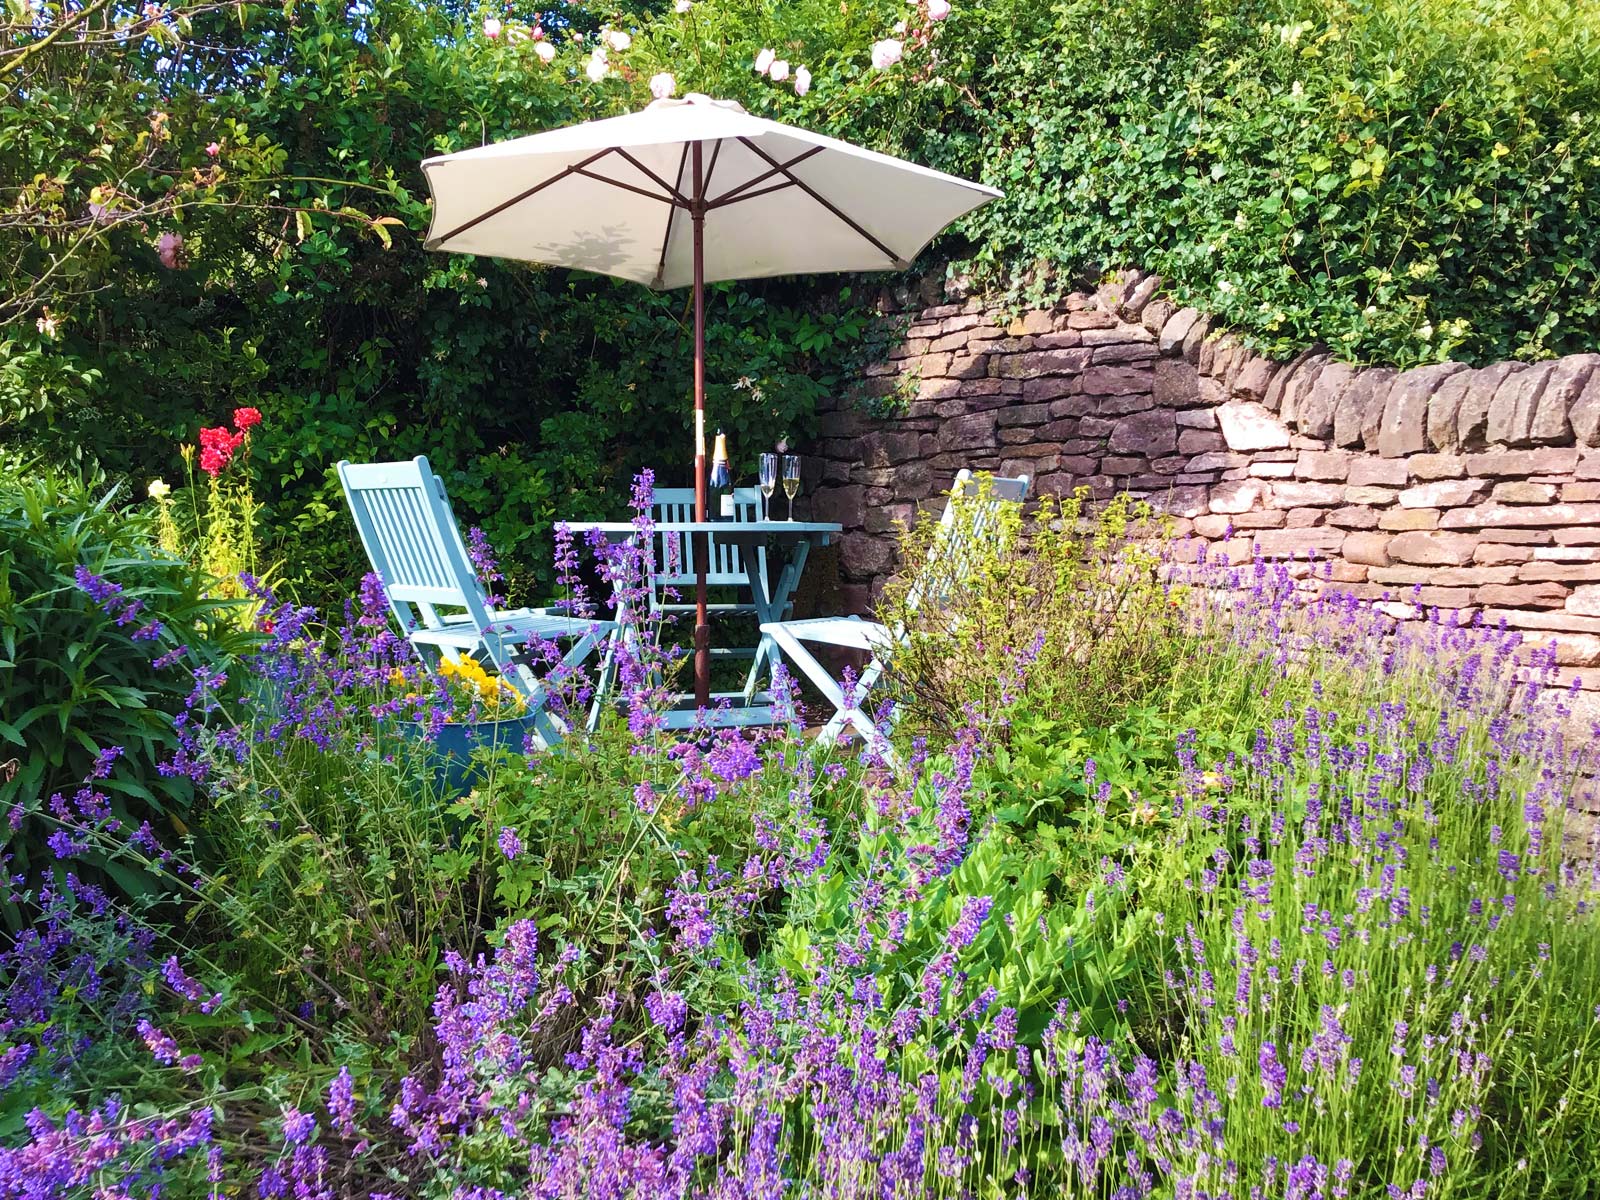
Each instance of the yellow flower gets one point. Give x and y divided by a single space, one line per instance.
159 490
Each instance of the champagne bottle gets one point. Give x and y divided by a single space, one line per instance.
720 502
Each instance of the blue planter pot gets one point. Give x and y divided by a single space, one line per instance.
450 752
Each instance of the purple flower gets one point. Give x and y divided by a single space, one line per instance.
1273 1076
342 1103
974 911
162 1047
298 1126
510 843
669 1010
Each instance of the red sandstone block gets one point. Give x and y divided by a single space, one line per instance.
1366 493
1323 465
1427 547
1564 572
1541 619
1517 537
1522 595
1384 472
1441 597
1550 461
1536 515
1354 517
1291 494
1490 554
1442 493
1436 466
1401 519
1518 491
1324 542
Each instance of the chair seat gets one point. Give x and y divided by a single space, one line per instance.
518 625
852 632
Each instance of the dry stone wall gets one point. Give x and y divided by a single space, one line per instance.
1440 486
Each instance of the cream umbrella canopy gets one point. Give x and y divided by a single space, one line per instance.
684 193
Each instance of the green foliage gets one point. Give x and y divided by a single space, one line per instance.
1406 179
302 288
74 680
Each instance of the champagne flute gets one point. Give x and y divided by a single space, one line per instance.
791 479
769 481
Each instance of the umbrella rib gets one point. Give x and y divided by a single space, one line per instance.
711 168
676 196
721 202
672 214
732 194
627 187
826 203
574 169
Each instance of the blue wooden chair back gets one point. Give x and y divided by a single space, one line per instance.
674 560
413 542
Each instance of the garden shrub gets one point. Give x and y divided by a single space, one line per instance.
87 601
1064 603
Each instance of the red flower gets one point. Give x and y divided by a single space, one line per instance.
216 449
246 418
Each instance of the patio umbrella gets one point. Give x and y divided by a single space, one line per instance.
687 192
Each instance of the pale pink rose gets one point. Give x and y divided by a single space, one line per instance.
617 40
663 85
545 51
779 71
764 61
491 27
938 10
802 82
899 29
214 149
886 53
682 6
596 68
169 249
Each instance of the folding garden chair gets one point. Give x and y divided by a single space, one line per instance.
412 539
674 577
976 521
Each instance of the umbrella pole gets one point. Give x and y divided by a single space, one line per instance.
702 548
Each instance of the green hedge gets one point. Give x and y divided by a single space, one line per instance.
1409 180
